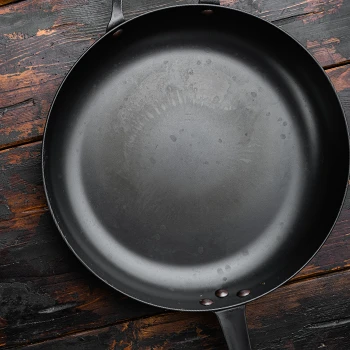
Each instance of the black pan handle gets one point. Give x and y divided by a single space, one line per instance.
117 16
234 326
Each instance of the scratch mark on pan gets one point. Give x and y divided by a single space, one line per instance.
179 97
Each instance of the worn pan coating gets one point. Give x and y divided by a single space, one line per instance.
196 158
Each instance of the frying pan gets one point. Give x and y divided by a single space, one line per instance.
196 158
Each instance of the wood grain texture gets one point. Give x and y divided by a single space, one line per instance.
313 314
40 41
21 191
45 292
37 309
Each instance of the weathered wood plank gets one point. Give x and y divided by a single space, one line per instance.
40 41
323 30
45 308
21 190
313 314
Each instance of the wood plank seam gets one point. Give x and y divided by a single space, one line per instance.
317 275
336 65
291 18
31 140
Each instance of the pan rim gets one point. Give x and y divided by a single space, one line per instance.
45 141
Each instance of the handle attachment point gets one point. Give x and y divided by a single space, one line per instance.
117 16
233 324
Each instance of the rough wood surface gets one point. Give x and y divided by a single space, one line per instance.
313 314
45 292
40 41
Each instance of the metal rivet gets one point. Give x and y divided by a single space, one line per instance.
207 12
243 293
118 33
206 302
221 293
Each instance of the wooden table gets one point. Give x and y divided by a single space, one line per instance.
47 298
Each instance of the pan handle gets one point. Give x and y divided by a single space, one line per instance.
233 324
117 16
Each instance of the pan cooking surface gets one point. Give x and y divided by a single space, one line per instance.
192 159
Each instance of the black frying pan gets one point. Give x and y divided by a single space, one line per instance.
196 158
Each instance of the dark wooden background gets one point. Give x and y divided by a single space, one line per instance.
47 298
